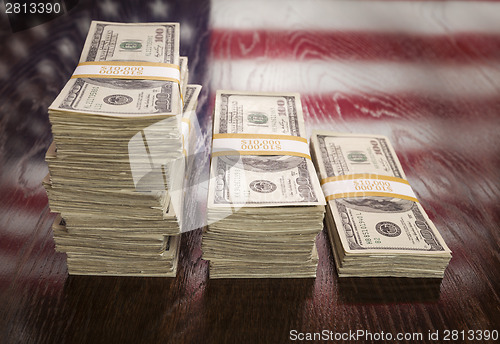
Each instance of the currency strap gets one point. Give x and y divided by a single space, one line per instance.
259 144
367 184
129 70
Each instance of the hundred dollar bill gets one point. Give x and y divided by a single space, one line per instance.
133 47
262 122
373 207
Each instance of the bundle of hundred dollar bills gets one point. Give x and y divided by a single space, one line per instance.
265 205
117 168
375 223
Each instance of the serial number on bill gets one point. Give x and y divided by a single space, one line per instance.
32 8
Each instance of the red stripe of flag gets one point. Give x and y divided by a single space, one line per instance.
306 45
351 107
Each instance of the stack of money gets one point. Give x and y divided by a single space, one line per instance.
265 205
116 254
117 174
375 223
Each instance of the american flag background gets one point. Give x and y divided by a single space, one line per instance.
424 73
392 68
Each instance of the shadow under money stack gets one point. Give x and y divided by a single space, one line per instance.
116 177
265 205
375 223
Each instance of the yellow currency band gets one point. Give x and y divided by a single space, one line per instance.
364 176
365 193
369 176
126 64
281 138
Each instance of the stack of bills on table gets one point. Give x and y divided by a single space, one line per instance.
265 205
129 255
375 223
116 177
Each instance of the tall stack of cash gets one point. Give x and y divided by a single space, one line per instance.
117 172
265 205
376 225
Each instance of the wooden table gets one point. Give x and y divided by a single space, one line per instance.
425 74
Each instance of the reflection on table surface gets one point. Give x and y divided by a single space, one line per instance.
426 74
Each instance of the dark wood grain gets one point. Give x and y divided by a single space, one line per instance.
436 95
